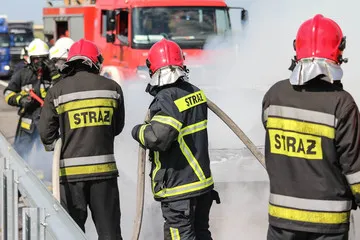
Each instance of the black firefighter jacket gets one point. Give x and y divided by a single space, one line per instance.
20 84
312 152
178 141
89 111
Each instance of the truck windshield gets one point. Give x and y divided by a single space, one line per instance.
188 26
4 40
22 39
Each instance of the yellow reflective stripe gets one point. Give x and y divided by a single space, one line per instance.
197 127
186 188
101 168
100 102
193 162
9 96
355 188
190 101
141 134
175 235
56 76
168 120
302 127
43 92
157 168
25 125
18 98
309 216
191 159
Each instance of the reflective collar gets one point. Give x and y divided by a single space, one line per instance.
168 75
309 68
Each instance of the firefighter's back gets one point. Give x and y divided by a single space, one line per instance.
89 115
305 134
186 162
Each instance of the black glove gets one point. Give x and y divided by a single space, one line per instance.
26 101
215 196
53 71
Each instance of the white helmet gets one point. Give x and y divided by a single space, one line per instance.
24 52
38 48
61 48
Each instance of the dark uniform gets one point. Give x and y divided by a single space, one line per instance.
178 141
89 110
17 94
312 158
20 65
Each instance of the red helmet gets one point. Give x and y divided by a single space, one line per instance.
164 53
320 37
87 51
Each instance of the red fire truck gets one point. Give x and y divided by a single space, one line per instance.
124 30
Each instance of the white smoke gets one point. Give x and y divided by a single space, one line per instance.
241 70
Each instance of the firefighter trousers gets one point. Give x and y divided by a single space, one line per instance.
188 219
275 233
102 197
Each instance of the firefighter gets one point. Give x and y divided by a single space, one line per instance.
312 140
178 141
36 76
24 59
59 52
89 111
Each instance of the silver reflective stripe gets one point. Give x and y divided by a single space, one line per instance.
310 204
353 178
300 114
27 87
168 120
85 95
78 161
194 128
26 120
7 92
185 188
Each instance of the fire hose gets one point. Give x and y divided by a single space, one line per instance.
142 163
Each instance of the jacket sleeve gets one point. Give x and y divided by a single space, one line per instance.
163 128
120 113
49 123
13 92
265 105
348 148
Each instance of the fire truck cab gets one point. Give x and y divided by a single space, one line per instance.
124 30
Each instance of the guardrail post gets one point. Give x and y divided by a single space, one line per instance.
33 224
2 198
12 204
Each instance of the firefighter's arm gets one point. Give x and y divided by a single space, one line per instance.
163 128
12 92
49 123
265 105
120 113
347 143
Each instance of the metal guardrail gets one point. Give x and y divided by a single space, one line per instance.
44 218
